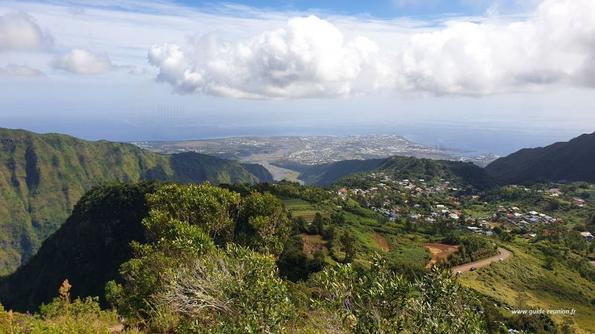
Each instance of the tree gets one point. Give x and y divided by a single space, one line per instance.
317 224
212 208
338 218
348 246
263 223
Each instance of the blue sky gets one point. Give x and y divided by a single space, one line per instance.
386 9
489 76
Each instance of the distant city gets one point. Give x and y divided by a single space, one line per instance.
274 152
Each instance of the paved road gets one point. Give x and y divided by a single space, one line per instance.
502 254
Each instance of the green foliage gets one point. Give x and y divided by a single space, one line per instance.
228 291
465 174
539 323
205 210
88 248
294 264
45 175
263 223
472 247
347 241
209 259
380 301
209 207
62 316
182 224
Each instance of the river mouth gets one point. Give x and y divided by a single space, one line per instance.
278 173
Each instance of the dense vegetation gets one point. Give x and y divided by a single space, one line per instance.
281 257
564 161
326 174
400 168
204 259
43 176
87 249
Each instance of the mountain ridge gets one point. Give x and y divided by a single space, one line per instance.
573 160
42 176
400 167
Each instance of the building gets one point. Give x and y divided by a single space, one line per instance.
587 235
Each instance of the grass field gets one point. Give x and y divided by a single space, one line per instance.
372 236
522 282
301 208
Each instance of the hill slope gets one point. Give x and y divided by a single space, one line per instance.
43 176
564 161
326 174
87 249
399 167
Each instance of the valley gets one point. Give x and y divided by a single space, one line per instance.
297 167
418 221
283 156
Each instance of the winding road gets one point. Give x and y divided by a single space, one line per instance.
502 254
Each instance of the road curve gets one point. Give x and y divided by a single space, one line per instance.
502 254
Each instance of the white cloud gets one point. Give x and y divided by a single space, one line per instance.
554 45
249 53
81 61
14 70
309 57
19 31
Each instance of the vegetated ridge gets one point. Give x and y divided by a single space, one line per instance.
43 176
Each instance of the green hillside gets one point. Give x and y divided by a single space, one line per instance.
400 168
229 260
87 249
43 176
292 256
326 174
564 161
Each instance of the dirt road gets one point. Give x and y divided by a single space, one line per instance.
502 254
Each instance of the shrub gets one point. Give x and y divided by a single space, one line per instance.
380 301
224 291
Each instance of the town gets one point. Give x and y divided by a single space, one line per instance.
418 201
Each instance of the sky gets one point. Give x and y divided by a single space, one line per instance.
477 75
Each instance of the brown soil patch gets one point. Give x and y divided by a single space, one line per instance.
313 244
117 328
381 242
440 252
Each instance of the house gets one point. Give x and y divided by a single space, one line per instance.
392 216
342 193
579 202
587 235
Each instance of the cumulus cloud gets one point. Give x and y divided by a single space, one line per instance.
311 57
554 45
81 61
14 70
19 31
